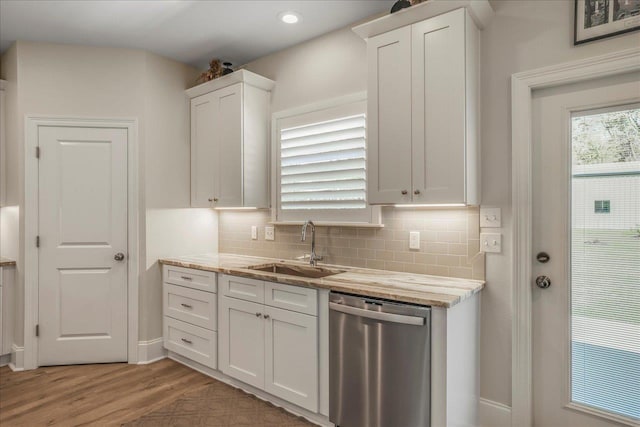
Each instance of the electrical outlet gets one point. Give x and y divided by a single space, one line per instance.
414 240
254 232
269 233
491 242
490 218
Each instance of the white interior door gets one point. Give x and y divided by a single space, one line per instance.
586 217
82 299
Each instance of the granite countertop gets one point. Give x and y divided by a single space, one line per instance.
435 291
6 262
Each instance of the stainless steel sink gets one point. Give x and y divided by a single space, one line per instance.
296 270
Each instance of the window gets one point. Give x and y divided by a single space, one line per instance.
602 206
321 163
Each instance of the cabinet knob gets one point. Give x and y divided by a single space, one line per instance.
266 316
215 199
404 192
258 314
416 192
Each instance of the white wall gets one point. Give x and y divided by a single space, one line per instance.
9 232
522 36
80 81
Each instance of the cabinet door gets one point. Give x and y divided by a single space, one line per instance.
438 107
389 117
203 150
229 143
291 364
241 340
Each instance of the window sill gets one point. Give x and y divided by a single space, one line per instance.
330 224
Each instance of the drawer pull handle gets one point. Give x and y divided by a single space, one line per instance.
186 278
187 341
186 305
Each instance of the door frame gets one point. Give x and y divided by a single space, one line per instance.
522 86
31 215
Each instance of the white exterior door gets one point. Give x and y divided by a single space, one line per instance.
292 357
241 331
586 214
82 299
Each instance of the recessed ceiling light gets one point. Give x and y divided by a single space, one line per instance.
290 17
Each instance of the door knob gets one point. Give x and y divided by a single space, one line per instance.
543 282
119 256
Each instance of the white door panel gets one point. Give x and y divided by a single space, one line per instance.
583 374
241 329
438 108
292 357
228 137
389 111
82 225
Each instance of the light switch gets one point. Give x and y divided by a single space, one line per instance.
414 240
254 232
490 218
491 242
269 233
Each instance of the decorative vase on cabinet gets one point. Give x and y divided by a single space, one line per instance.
229 141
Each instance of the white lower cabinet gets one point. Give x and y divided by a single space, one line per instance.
190 320
242 340
270 348
291 357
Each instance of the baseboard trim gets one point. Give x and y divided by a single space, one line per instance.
17 358
151 351
313 418
494 414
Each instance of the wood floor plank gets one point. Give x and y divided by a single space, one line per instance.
109 394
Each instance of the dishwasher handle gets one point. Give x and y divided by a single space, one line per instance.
377 315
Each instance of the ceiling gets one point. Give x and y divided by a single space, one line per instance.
188 31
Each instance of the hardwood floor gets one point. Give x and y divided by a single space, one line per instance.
104 395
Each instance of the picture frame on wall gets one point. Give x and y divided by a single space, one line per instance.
597 19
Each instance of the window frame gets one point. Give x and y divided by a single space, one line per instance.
343 106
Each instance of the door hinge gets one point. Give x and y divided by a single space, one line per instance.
37 152
37 330
37 241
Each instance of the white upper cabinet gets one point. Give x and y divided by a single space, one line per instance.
389 121
230 141
423 108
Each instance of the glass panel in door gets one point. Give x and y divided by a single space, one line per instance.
605 260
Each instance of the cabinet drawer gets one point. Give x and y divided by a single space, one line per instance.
196 307
294 298
193 342
195 279
243 288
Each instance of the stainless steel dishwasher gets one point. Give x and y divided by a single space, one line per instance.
379 362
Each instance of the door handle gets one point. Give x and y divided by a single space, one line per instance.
119 256
377 315
543 282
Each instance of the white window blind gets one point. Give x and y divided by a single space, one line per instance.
323 165
605 261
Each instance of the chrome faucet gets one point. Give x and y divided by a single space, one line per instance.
313 258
